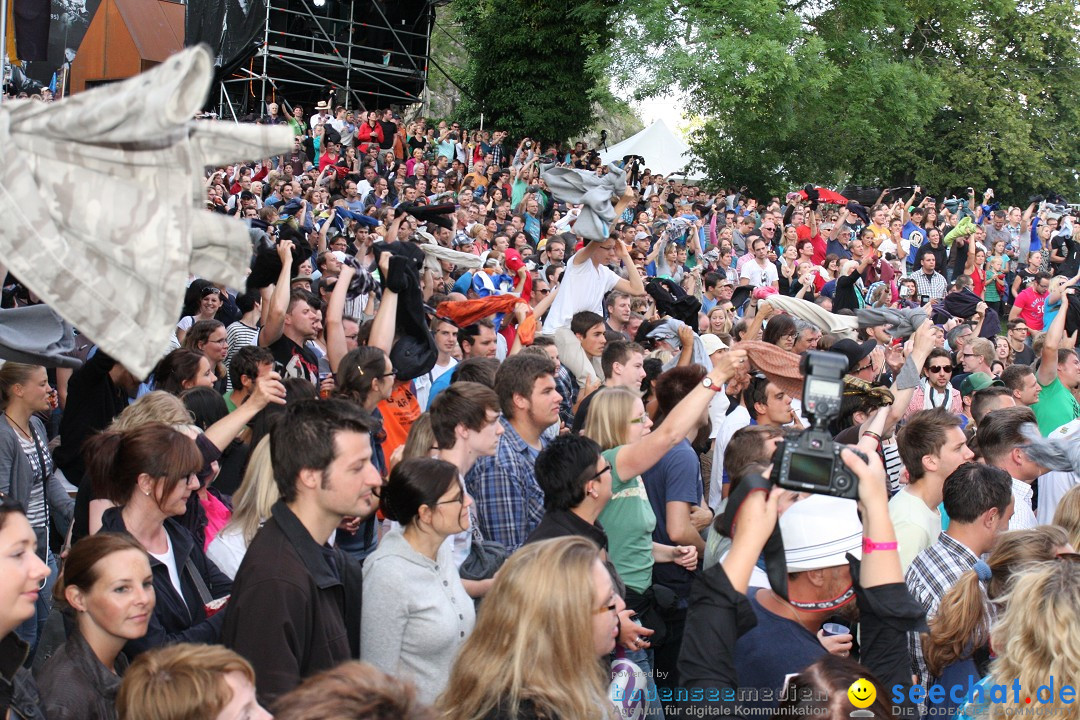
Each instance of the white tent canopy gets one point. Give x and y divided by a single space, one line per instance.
664 152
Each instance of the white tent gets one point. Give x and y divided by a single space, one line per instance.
664 152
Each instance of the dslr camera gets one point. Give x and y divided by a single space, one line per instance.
809 460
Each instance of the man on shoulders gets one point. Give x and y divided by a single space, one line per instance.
509 502
295 605
931 446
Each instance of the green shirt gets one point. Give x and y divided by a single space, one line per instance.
629 521
1056 407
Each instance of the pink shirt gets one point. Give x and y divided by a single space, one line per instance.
217 515
1031 307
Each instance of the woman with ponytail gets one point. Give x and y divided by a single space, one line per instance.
958 642
416 612
108 588
366 377
149 473
28 475
1035 639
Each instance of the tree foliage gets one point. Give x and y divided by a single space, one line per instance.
945 93
532 65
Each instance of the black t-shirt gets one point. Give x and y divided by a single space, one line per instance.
1024 357
389 129
296 361
1027 278
1069 250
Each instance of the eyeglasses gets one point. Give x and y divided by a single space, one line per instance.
603 470
459 499
612 608
638 420
867 366
940 368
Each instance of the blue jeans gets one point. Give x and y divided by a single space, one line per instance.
643 659
30 631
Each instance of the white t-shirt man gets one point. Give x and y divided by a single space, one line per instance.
583 287
759 276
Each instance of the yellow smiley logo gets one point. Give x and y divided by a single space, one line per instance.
862 693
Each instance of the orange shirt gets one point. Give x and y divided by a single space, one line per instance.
399 412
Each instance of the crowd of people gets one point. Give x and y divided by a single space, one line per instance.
465 445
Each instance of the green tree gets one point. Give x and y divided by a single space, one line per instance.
945 93
531 65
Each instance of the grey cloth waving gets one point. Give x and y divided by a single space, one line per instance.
903 322
104 198
1058 451
595 192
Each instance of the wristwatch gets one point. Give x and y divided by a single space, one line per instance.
710 385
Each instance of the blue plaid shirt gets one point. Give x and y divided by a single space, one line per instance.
507 499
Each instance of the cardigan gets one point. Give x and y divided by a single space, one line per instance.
416 614
17 477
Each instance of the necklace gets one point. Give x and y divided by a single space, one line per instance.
19 427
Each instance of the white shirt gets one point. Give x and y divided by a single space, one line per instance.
583 287
759 276
1023 518
168 559
917 526
1052 487
227 550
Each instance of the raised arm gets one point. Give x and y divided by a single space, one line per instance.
1048 364
382 327
335 317
274 323
635 459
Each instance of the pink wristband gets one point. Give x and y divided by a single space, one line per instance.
869 546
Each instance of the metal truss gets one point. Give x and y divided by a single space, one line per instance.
370 53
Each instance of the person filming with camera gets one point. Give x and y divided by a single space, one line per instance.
840 555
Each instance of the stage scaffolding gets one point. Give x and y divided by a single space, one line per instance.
364 54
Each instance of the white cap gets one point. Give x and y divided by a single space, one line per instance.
712 343
819 532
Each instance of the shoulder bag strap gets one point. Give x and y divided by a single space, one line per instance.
200 584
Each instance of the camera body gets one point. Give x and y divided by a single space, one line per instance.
809 460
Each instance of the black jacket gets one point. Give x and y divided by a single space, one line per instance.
295 608
93 401
18 693
719 615
75 685
177 619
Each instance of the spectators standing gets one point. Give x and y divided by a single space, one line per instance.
296 603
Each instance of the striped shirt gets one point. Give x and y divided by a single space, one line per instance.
238 335
36 512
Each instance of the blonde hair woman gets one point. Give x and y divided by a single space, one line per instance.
552 605
617 421
251 508
961 627
1035 639
1067 515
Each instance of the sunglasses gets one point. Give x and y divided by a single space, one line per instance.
940 368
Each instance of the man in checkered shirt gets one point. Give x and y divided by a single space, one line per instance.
931 284
978 500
